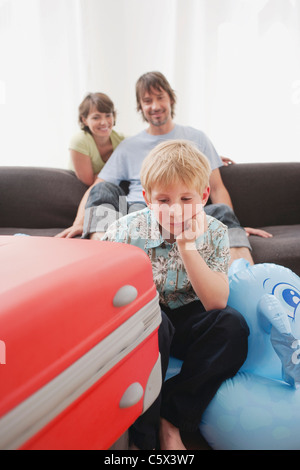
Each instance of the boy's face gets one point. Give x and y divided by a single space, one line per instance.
174 206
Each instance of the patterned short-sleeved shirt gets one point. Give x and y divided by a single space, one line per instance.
141 229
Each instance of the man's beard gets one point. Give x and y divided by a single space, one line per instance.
159 123
155 122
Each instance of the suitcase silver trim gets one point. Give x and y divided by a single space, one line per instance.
30 416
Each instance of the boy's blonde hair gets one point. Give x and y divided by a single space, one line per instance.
173 161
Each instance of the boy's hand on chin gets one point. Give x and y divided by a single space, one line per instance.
194 227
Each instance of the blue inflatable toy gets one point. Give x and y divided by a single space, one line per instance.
259 408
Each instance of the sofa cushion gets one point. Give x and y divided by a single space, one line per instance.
283 248
34 197
264 194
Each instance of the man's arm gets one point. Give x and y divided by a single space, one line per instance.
218 192
77 227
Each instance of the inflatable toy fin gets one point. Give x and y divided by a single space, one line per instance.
287 347
275 321
271 313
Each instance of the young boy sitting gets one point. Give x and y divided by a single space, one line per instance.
189 252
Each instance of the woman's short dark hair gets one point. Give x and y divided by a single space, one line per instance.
157 81
101 102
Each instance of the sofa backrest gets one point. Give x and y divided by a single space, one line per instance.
38 197
264 194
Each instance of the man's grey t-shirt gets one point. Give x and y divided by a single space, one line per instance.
126 161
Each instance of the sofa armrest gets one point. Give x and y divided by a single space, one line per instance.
35 197
264 194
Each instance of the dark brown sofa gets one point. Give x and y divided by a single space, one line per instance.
44 201
267 196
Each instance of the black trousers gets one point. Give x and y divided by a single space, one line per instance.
213 346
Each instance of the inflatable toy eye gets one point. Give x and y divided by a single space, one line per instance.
289 295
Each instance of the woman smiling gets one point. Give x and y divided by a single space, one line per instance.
91 147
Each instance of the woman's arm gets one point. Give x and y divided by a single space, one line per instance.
83 167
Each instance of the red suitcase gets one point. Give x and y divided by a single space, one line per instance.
78 332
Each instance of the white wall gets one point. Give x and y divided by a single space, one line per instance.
234 65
